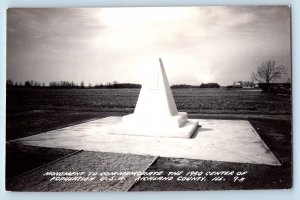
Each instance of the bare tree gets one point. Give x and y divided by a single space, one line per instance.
268 72
82 84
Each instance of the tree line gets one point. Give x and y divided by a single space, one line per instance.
267 73
52 84
81 85
69 85
203 85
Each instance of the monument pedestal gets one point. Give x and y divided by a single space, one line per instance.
174 127
155 120
155 113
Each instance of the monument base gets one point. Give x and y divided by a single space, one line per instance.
186 130
139 120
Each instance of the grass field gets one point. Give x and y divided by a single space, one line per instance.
123 100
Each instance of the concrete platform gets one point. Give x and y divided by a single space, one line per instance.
219 140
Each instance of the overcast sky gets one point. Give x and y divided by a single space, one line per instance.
196 44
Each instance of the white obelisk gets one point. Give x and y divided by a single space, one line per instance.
155 113
156 93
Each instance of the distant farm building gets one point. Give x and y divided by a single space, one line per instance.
243 84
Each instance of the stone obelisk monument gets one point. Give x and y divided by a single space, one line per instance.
155 113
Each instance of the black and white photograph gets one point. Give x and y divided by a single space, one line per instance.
112 99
